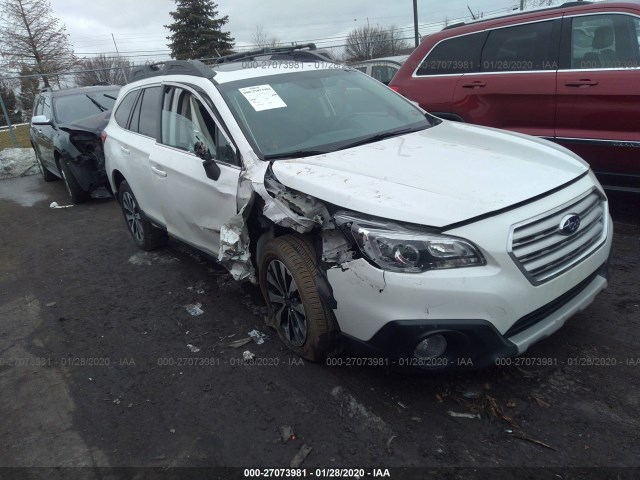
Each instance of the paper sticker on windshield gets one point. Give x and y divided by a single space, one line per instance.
262 97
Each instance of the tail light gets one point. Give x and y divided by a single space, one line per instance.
103 137
395 88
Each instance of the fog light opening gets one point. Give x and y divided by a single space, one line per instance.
431 347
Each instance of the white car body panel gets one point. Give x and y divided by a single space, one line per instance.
465 172
194 207
498 292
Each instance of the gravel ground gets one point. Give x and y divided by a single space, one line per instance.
102 365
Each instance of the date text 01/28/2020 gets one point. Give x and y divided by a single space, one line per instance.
317 473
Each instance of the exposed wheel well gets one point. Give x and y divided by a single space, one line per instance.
118 178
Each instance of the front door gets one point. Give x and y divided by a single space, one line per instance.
194 206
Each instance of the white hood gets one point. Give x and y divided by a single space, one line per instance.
439 176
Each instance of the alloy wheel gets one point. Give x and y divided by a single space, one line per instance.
286 303
132 215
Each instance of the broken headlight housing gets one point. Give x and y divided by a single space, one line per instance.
397 248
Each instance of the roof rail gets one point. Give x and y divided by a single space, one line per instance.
577 3
454 25
307 51
172 67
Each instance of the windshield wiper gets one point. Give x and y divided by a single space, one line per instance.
295 154
97 104
381 136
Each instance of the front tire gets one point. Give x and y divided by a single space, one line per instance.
77 194
146 236
46 174
287 279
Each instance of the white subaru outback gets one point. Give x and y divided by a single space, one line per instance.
368 223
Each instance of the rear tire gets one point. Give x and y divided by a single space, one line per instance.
77 194
146 236
287 279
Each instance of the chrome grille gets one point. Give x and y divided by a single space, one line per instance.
543 251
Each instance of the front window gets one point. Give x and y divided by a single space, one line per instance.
319 111
70 108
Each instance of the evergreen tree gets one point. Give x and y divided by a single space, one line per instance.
196 32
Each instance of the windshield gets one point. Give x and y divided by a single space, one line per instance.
319 111
70 108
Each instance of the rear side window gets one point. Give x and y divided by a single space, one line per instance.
383 73
124 109
532 46
605 41
150 112
456 55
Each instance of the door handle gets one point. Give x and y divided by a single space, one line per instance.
125 150
157 171
477 84
583 82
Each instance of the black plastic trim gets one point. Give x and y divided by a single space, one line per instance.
543 312
174 67
472 344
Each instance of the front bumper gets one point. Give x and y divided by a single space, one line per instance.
476 344
486 312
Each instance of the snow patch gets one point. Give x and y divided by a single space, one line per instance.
17 162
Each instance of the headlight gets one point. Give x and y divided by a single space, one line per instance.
400 249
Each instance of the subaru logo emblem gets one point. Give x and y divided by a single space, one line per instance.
569 224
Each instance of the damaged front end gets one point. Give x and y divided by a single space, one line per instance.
272 209
82 147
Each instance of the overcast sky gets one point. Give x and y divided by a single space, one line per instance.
137 25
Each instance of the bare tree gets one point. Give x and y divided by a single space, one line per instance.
31 36
29 88
104 69
524 4
260 38
372 42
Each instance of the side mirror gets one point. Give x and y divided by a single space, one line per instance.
212 169
40 120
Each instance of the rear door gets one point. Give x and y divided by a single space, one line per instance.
599 95
515 86
194 206
139 116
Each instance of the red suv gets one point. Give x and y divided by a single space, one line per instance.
570 74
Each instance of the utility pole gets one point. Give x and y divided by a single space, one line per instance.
415 22
124 75
521 5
